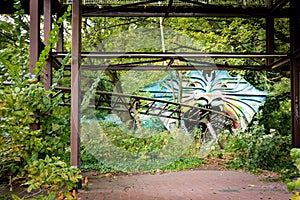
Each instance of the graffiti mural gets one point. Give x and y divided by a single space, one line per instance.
215 90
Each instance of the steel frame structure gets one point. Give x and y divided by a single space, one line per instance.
289 61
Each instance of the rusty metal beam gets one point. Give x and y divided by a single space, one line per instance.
47 28
178 11
102 55
137 9
174 67
75 83
295 76
280 63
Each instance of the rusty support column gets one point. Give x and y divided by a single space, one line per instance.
75 83
295 102
47 28
34 47
295 77
34 34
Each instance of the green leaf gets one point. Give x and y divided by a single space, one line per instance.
15 197
32 187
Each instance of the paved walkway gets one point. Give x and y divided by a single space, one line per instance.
184 185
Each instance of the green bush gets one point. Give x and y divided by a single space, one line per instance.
294 185
19 145
253 150
51 174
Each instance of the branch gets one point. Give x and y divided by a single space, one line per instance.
8 37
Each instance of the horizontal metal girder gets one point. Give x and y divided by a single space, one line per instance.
102 55
174 67
188 10
179 11
190 64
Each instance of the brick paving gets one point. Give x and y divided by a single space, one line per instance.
184 185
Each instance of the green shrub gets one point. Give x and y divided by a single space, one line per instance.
51 174
19 145
295 184
253 150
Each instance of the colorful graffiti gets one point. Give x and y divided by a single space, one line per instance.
214 90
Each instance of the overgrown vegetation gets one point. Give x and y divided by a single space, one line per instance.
107 146
294 185
34 137
266 144
256 149
39 159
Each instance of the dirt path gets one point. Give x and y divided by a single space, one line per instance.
184 185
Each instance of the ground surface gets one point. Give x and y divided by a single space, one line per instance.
195 184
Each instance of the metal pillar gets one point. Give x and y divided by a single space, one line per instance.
75 83
47 28
295 77
34 47
34 34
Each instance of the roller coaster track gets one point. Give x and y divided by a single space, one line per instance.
132 104
119 102
136 105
